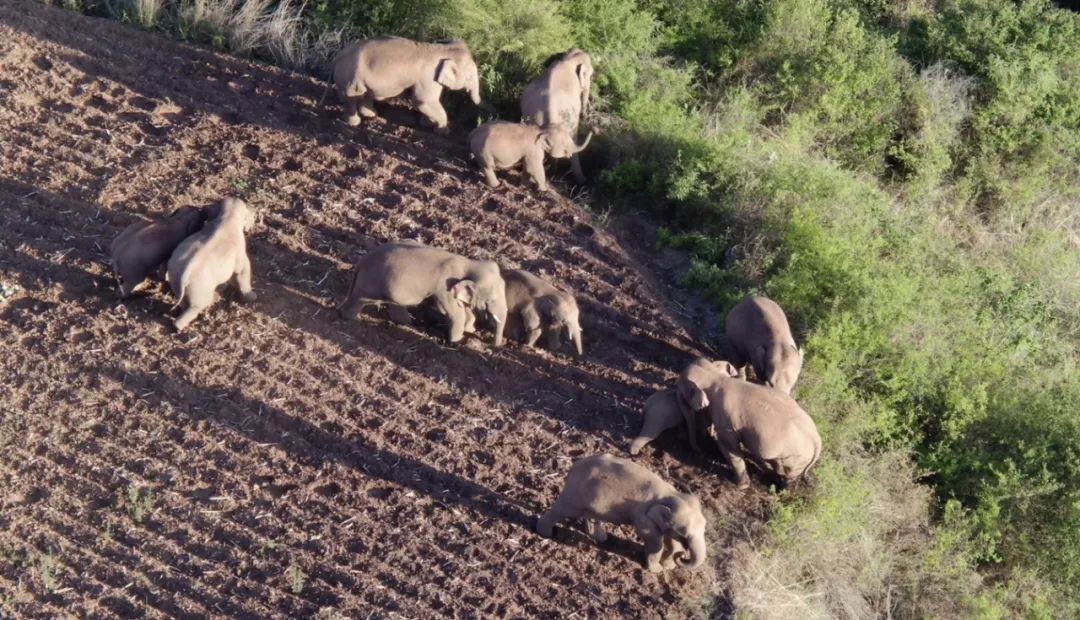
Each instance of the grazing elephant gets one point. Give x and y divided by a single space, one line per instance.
536 307
384 67
211 258
406 273
759 334
751 421
143 247
603 488
560 96
499 144
663 412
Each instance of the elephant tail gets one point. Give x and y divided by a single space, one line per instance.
813 461
180 295
326 91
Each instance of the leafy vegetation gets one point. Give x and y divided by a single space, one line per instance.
904 178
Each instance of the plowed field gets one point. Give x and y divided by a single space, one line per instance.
274 460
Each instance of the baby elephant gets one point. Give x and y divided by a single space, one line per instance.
603 488
499 145
751 421
143 247
537 307
760 335
211 258
662 412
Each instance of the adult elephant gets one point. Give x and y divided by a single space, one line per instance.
560 96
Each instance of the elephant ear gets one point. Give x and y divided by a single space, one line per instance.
462 292
544 140
727 368
660 515
692 395
446 73
545 307
584 75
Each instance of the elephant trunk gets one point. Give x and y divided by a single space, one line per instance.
575 337
578 149
697 553
474 90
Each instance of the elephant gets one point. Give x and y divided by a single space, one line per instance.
405 273
560 96
500 144
211 258
759 335
384 67
143 247
535 307
663 412
751 421
603 488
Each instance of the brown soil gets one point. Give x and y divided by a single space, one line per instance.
277 461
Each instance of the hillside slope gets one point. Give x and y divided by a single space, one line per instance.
277 461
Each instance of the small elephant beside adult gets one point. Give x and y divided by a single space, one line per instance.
385 67
663 412
536 307
498 145
406 273
606 489
210 258
144 247
751 421
560 96
759 335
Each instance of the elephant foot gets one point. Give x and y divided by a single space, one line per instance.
637 445
367 113
352 121
249 296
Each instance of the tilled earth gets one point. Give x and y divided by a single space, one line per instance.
274 460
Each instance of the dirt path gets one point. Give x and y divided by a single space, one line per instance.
276 461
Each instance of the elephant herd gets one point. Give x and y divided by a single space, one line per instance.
200 249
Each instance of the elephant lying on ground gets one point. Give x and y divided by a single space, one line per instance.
406 273
759 335
751 421
211 258
602 488
560 96
143 247
500 145
385 67
663 412
536 307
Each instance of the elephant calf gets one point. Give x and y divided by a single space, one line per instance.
535 307
499 145
751 421
385 67
759 335
406 273
211 258
663 412
143 247
603 488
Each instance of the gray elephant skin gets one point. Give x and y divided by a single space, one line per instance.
536 307
385 67
210 258
498 145
406 273
759 335
144 247
606 489
560 96
751 421
663 412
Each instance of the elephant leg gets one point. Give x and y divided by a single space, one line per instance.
398 314
535 167
350 111
562 509
470 321
458 320
488 168
434 112
243 279
729 445
366 105
596 530
186 317
530 319
575 167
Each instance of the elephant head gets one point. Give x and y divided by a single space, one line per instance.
458 71
680 517
484 292
778 366
559 313
190 219
557 142
697 376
